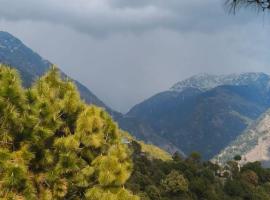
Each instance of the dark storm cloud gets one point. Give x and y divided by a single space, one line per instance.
107 16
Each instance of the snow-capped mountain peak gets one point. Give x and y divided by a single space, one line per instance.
206 82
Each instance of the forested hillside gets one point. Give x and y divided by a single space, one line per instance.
55 146
194 179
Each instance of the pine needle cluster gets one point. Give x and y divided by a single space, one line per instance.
54 146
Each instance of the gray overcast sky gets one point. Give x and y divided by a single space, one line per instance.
126 50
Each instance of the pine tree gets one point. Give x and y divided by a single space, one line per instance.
54 146
175 183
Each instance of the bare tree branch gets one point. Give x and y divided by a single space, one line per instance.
233 5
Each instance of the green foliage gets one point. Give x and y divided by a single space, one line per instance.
153 192
151 150
54 146
97 193
237 158
250 177
195 156
175 183
192 179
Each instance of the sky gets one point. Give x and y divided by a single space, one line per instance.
125 51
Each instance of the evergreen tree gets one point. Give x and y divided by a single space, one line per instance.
54 146
175 183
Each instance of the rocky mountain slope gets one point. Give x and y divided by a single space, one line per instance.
205 113
253 145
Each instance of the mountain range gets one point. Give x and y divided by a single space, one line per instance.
204 113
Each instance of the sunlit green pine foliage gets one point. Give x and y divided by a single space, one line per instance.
149 149
175 183
54 146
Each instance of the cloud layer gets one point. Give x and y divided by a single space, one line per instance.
106 16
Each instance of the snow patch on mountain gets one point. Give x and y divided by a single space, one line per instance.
206 82
9 42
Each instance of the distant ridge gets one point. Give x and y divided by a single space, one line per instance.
31 65
206 82
205 113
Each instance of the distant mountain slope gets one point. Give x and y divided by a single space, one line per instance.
207 118
31 65
142 131
253 145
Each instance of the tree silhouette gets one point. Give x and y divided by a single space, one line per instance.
261 5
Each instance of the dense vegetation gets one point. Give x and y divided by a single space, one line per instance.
191 179
54 146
